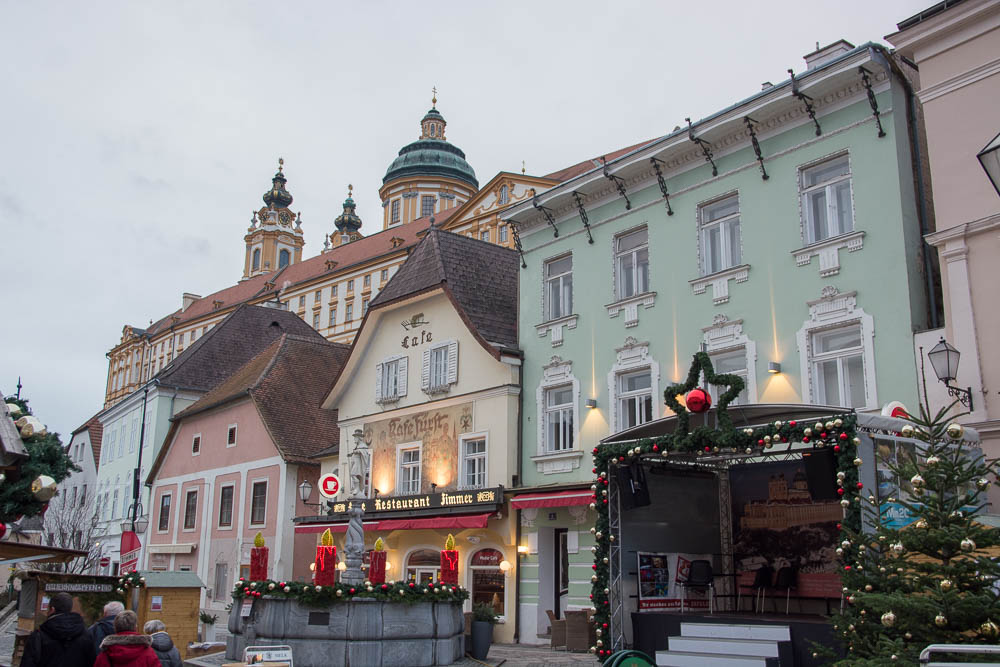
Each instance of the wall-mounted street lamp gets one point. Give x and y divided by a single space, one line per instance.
989 157
944 360
591 403
773 367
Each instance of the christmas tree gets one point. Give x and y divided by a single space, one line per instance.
931 581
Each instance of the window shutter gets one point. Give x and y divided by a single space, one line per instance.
401 382
453 362
378 382
425 370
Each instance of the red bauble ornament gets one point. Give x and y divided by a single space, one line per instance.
838 526
385 587
760 443
595 450
593 470
840 491
351 591
708 449
412 585
860 485
836 448
805 439
698 400
843 436
823 435
847 568
621 459
655 448
604 625
792 423
594 566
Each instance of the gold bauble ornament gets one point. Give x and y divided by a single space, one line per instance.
841 476
868 588
921 523
989 630
983 483
968 545
907 431
908 635
955 431
840 552
818 426
898 547
946 584
940 620
856 441
888 619
43 488
933 460
845 503
858 462
807 431
917 480
829 425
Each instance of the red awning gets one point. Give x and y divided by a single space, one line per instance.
431 522
552 499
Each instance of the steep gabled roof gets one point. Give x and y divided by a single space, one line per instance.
96 429
287 382
228 345
480 277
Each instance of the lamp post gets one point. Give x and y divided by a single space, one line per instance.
944 360
989 157
136 522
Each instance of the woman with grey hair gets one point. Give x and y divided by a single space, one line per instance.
163 645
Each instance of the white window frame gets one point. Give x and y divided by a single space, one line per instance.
232 508
555 374
316 319
548 411
502 234
723 223
427 383
633 252
462 458
266 482
382 396
196 438
400 448
725 337
840 356
631 357
394 212
836 310
333 316
348 312
565 310
826 186
236 435
716 392
503 196
623 397
159 512
184 528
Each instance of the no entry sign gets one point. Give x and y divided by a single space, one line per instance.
329 485
105 561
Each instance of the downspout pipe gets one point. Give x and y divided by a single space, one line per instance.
879 55
517 516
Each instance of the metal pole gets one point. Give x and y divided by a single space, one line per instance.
138 469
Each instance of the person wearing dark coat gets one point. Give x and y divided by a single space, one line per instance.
163 645
61 640
127 648
106 626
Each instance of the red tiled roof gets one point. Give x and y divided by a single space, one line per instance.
96 429
583 167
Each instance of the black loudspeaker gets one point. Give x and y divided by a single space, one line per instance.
821 473
632 486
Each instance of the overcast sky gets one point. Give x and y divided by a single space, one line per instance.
138 137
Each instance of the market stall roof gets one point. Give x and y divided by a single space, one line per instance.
552 499
20 552
455 522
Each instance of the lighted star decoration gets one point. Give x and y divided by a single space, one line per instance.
703 364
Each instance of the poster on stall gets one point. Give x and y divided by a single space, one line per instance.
660 575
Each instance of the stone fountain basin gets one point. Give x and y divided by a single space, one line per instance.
357 633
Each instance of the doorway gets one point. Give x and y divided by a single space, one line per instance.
561 569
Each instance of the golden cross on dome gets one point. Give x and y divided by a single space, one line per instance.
281 163
434 99
522 166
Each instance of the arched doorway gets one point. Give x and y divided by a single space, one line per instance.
488 580
423 566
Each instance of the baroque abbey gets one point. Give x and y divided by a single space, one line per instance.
429 182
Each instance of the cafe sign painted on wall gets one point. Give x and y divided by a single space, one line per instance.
472 499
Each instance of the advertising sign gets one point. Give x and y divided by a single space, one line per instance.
130 548
660 576
329 485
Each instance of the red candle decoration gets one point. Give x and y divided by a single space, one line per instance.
449 561
698 400
258 559
376 564
326 561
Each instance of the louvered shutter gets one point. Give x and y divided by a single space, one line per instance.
453 362
401 382
378 383
425 370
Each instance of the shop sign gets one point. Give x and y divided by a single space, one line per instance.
471 499
77 587
486 558
329 485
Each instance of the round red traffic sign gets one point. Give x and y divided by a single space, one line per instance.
105 561
329 485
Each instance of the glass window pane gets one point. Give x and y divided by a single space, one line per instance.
838 339
560 396
816 203
721 209
733 234
845 216
825 172
626 278
828 382
636 381
642 271
632 240
553 300
712 249
557 266
567 295
855 381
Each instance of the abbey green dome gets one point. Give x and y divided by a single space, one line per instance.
431 157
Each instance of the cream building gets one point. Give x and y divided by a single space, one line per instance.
430 395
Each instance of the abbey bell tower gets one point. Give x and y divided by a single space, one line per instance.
274 239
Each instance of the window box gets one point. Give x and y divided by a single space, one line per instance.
720 282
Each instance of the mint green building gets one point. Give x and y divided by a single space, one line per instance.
783 234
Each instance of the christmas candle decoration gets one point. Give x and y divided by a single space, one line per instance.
258 559
326 561
449 561
376 566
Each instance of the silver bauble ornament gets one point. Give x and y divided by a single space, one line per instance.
907 431
983 483
43 488
888 619
917 480
968 545
858 462
933 460
940 620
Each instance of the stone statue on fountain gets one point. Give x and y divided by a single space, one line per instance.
359 462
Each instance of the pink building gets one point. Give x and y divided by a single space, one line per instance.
232 461
956 45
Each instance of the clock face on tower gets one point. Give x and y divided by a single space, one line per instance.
285 217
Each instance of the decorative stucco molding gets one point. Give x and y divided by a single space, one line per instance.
632 356
720 282
828 252
631 307
725 336
554 328
554 374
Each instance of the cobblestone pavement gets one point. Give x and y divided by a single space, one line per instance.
508 655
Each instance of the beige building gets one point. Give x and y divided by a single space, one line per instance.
956 45
429 395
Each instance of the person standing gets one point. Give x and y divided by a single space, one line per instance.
61 640
163 645
127 648
106 626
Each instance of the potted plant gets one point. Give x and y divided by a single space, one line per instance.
483 619
208 625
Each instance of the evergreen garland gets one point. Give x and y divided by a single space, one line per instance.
46 456
322 596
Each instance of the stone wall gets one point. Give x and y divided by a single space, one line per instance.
361 632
